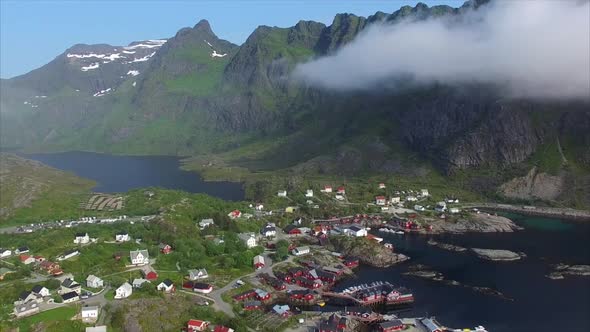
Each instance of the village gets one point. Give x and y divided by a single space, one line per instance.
293 270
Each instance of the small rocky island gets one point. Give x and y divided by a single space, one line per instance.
476 222
498 254
561 270
446 246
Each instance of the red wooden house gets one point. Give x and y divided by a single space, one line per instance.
149 273
165 248
351 262
197 325
245 295
392 325
252 305
292 230
302 295
341 190
307 283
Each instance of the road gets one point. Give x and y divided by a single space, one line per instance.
53 225
565 213
221 305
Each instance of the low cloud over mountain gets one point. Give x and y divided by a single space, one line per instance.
534 49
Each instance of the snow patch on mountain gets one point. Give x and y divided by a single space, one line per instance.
145 58
152 43
208 43
92 66
102 92
129 52
133 72
134 83
217 55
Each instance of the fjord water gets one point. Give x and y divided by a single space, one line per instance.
123 173
539 303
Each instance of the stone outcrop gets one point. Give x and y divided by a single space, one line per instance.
534 185
498 254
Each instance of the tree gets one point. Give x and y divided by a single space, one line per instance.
282 249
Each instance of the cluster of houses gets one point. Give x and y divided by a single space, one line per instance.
28 301
196 325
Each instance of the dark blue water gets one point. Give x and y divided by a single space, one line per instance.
540 303
123 173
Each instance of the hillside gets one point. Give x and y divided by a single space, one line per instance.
33 186
196 94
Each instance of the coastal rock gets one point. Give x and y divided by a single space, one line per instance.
368 252
476 222
561 270
498 254
446 246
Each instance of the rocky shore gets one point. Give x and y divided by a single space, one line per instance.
561 270
369 252
476 222
498 254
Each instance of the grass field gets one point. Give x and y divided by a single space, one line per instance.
51 318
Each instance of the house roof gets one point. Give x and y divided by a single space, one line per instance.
69 283
69 252
101 328
197 323
24 257
289 228
90 308
125 286
37 289
281 309
391 323
69 295
252 304
221 328
305 248
23 248
81 234
122 233
355 228
139 281
246 236
134 253
23 295
167 282
93 278
260 292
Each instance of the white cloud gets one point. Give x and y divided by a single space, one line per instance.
536 49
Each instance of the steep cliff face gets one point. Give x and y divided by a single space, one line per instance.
534 185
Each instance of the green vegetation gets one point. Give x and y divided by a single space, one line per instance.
53 320
31 191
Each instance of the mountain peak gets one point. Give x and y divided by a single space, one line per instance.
204 26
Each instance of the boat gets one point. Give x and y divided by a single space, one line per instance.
400 232
321 303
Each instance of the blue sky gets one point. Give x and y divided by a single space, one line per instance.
32 33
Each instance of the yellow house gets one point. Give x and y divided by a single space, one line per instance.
289 209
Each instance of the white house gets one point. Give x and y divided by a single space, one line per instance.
327 189
26 259
41 291
454 210
249 239
206 223
124 291
81 238
5 253
282 193
21 250
27 296
381 185
411 198
90 313
166 286
395 200
424 193
440 207
69 285
138 282
68 254
259 262
122 237
70 297
93 281
309 193
259 207
100 328
339 197
380 200
357 231
269 230
139 257
419 208
26 309
300 251
198 274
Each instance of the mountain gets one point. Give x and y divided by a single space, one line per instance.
194 93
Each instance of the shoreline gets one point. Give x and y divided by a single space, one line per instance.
549 212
